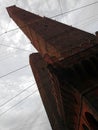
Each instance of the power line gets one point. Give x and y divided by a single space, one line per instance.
75 9
55 16
87 23
51 17
17 95
26 50
9 31
15 47
18 103
14 71
59 1
29 50
9 55
2 55
5 55
86 20
7 25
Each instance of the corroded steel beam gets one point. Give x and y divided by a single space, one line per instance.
67 76
51 38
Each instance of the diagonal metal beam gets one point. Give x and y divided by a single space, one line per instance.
51 38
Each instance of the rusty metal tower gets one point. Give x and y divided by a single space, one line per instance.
65 69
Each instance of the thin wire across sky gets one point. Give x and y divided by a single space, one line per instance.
62 13
23 67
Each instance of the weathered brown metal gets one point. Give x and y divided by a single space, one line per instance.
65 69
50 37
49 91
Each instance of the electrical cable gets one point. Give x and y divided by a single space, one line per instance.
19 102
56 15
7 25
87 23
15 47
3 104
87 19
14 71
75 9
2 55
50 17
29 50
59 1
9 31
7 55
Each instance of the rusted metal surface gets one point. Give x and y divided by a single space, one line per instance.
49 90
51 37
65 69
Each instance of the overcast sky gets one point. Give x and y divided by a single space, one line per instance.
21 107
